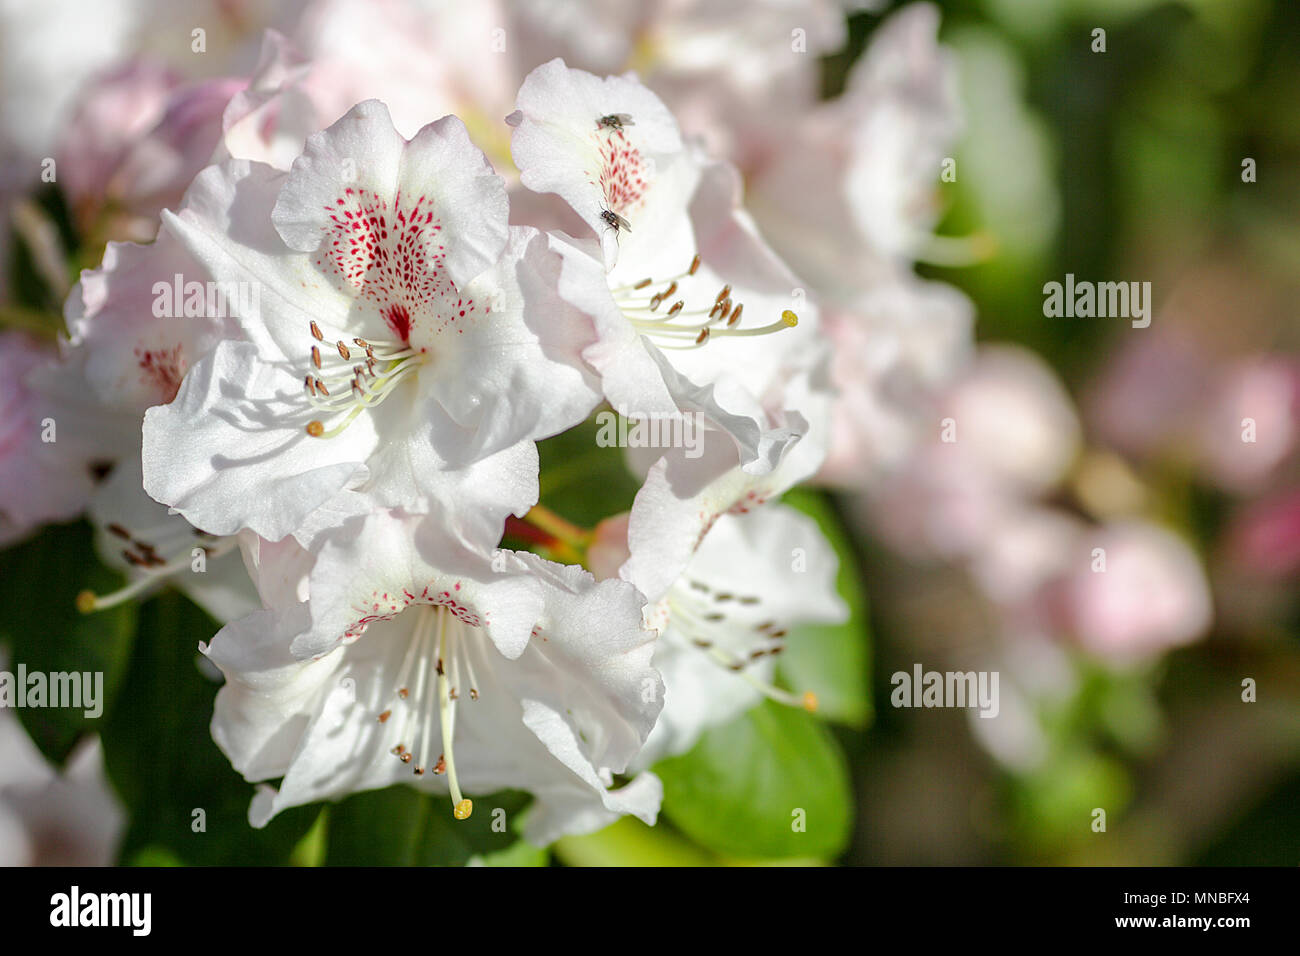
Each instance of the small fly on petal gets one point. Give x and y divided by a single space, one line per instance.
615 221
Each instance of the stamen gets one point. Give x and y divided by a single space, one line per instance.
155 569
358 398
461 808
315 332
697 625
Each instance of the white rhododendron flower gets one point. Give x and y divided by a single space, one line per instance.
853 198
138 324
395 343
134 334
684 296
38 484
50 815
685 490
1152 597
894 350
724 616
54 437
399 655
137 536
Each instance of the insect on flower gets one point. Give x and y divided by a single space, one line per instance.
615 221
615 121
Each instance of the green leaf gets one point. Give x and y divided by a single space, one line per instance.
46 633
772 783
629 842
832 660
162 760
400 826
520 853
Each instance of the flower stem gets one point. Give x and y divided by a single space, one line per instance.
565 531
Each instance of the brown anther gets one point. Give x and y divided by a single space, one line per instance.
726 309
315 429
383 718
306 383
701 643
668 292
642 284
726 291
361 343
713 312
677 307
405 756
320 387
403 693
702 337
441 765
735 316
344 353
656 301
315 332
695 265
419 771
121 532
315 356
473 694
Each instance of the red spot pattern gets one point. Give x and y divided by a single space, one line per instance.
162 370
622 172
751 500
742 506
393 255
385 607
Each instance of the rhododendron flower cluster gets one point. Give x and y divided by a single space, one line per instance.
322 379
483 404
